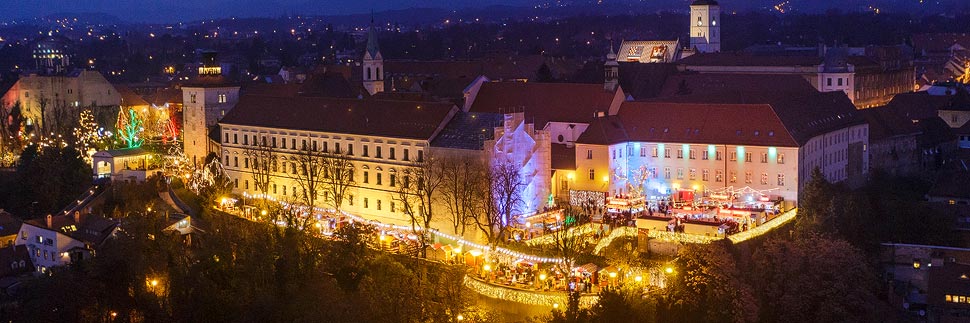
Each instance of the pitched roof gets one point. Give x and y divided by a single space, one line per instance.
92 229
128 97
691 123
918 105
389 118
544 102
11 254
885 123
748 59
444 69
468 130
649 51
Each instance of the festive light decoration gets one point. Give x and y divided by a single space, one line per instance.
524 296
545 239
88 135
130 128
764 228
616 233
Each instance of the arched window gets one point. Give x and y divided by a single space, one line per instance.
368 74
379 76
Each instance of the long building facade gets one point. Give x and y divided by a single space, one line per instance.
380 138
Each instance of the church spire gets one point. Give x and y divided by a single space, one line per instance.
373 48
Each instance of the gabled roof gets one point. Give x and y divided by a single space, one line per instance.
15 254
388 118
91 229
544 102
691 123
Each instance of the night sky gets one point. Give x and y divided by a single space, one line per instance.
157 11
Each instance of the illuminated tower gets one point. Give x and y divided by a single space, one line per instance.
611 68
705 26
206 99
373 63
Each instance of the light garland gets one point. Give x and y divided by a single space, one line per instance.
668 236
548 299
616 233
548 238
764 228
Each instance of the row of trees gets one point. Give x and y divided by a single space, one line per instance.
467 189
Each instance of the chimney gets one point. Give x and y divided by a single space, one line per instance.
49 220
77 216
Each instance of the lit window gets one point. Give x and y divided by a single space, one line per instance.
781 179
592 174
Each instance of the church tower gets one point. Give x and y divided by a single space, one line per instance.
705 26
611 69
373 63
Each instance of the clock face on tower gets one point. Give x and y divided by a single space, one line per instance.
700 22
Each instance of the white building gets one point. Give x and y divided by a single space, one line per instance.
381 138
373 64
63 239
705 29
666 148
521 144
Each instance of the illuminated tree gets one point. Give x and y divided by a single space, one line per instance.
130 128
87 135
417 193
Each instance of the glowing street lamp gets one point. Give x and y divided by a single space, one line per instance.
669 270
638 278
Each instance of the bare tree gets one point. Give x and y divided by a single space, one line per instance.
458 189
338 177
566 241
500 195
310 168
417 194
507 185
262 163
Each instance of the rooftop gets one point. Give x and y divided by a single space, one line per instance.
387 118
691 123
544 102
92 229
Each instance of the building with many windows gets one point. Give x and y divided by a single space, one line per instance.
667 148
380 138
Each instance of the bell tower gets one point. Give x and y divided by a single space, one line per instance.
705 26
373 63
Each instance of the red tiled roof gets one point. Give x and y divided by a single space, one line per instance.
388 118
747 59
544 102
691 123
